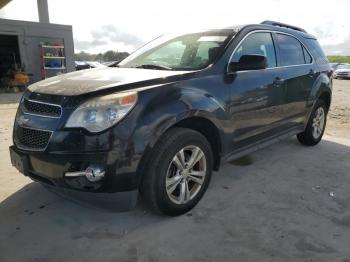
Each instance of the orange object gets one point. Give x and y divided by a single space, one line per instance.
22 78
128 99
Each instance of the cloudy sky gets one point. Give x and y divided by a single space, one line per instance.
124 25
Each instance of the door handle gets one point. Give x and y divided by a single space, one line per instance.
278 82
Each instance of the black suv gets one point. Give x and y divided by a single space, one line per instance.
172 111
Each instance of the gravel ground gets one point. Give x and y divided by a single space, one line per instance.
283 203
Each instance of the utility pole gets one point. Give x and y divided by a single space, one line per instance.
43 10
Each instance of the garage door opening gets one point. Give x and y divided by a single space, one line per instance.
10 62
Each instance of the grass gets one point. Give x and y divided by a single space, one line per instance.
339 59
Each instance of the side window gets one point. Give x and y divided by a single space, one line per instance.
291 50
316 51
307 56
257 44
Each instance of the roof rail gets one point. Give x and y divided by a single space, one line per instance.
273 23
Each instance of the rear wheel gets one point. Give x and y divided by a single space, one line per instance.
316 125
178 172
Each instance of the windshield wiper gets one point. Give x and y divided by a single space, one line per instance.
151 66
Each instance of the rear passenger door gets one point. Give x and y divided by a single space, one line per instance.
298 75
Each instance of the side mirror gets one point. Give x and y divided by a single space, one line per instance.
249 62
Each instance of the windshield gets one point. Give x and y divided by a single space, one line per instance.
180 52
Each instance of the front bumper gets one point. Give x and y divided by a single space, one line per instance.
118 202
45 150
342 76
115 192
50 168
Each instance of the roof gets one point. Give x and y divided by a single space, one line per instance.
277 26
274 23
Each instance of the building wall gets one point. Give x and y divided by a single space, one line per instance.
31 34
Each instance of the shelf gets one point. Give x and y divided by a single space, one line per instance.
54 68
53 46
54 57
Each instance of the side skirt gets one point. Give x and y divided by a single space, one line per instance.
262 144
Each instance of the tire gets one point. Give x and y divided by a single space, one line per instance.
166 178
311 136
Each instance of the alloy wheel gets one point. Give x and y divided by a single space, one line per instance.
318 123
186 174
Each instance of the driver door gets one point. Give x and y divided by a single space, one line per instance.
256 96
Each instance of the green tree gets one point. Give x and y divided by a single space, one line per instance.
339 59
110 55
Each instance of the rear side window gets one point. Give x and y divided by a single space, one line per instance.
316 51
307 56
257 44
291 50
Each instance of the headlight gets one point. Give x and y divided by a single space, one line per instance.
100 113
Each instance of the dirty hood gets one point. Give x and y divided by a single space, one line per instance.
92 80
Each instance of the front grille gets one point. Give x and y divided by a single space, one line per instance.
32 139
40 108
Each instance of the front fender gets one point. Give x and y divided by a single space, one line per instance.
167 108
172 105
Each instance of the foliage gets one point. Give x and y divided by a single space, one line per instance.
339 59
101 57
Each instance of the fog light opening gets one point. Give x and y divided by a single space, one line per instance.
94 173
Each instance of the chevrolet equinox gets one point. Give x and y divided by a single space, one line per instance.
165 117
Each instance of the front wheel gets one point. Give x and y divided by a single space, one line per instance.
178 172
316 125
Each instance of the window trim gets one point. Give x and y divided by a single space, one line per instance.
277 53
308 54
302 47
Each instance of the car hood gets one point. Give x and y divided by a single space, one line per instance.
92 80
